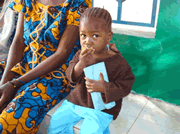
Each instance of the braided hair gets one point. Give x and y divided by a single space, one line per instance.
98 13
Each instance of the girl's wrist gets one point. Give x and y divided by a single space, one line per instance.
81 64
78 70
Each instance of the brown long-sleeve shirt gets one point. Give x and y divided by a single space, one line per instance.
120 83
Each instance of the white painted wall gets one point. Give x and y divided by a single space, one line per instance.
138 11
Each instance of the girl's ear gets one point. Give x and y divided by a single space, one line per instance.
109 36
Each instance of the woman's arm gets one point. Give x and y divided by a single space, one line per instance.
16 50
66 44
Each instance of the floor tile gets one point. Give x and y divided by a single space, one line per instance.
122 124
133 104
176 132
157 116
146 127
171 110
177 111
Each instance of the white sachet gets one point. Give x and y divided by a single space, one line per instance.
93 72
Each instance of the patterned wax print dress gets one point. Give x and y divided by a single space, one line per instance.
43 27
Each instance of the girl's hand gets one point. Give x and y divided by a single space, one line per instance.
86 57
7 93
95 86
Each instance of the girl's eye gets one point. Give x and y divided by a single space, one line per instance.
95 36
83 35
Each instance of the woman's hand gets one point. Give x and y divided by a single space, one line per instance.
86 57
16 50
95 86
7 93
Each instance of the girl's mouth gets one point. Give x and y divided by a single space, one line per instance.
84 47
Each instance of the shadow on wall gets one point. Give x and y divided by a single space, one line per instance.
156 62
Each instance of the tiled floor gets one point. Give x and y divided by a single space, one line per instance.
141 115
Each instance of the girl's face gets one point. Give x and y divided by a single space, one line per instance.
93 33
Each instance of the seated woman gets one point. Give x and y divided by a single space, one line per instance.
33 78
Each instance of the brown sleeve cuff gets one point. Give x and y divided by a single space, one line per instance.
70 69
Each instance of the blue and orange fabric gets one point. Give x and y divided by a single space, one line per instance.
43 27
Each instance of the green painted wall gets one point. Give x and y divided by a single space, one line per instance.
156 62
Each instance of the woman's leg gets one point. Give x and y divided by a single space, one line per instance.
63 120
26 111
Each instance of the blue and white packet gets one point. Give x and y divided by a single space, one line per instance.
93 72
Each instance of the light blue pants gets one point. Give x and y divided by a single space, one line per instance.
63 120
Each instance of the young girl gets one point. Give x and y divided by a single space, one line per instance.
95 35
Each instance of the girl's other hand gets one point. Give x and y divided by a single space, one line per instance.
95 86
